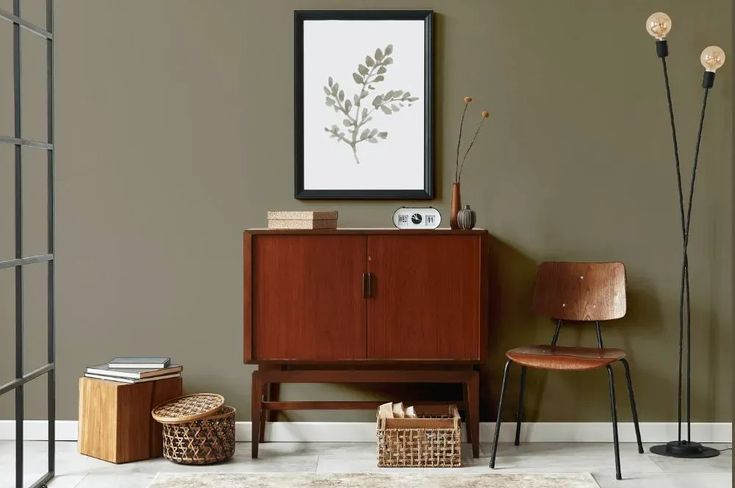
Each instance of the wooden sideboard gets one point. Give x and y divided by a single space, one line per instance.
364 306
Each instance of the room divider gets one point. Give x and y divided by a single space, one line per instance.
20 261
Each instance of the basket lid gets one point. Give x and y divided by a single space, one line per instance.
187 407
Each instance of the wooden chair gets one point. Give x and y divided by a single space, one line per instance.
580 292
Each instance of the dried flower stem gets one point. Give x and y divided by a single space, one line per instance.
458 178
459 141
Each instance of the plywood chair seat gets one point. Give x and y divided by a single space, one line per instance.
565 358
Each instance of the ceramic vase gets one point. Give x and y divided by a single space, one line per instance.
455 205
466 218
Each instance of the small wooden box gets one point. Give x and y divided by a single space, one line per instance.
115 422
308 219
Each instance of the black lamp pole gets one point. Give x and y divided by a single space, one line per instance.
684 447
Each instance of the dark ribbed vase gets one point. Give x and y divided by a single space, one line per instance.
466 218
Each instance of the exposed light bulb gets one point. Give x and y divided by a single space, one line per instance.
712 58
658 25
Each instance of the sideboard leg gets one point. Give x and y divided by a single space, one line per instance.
466 409
473 414
272 392
265 389
256 397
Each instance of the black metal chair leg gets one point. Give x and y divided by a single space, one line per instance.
613 409
519 418
632 404
506 370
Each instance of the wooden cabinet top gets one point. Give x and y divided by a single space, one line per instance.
367 231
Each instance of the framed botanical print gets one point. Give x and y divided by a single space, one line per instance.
363 104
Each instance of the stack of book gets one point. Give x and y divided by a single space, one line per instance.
135 370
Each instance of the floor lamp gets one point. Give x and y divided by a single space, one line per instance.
658 25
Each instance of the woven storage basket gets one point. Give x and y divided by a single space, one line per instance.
197 429
431 440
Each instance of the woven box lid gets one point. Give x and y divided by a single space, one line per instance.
187 408
302 215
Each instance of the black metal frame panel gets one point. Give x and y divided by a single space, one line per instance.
19 261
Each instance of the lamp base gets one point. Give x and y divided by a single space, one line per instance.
685 449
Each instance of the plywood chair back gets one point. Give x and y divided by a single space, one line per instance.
580 291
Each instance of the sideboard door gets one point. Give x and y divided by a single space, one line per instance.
426 297
307 298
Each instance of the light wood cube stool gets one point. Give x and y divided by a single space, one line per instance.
115 422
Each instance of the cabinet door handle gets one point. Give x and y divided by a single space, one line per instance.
365 285
370 285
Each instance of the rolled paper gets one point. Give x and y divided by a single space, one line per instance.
385 411
398 410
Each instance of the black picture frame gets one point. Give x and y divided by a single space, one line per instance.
427 193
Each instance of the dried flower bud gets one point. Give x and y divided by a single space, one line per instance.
467 99
485 114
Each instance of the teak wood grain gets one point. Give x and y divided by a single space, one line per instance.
426 297
580 291
115 422
308 302
307 299
564 357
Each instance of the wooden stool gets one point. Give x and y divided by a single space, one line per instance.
115 422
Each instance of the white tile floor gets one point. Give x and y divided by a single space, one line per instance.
639 470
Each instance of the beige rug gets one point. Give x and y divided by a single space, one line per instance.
372 480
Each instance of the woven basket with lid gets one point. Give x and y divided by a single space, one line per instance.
197 429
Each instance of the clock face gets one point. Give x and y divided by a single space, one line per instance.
416 218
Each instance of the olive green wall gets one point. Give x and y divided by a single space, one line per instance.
175 133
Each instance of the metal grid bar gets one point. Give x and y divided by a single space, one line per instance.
49 369
11 263
26 142
51 216
26 378
15 19
19 390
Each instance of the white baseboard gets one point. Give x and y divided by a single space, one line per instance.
66 430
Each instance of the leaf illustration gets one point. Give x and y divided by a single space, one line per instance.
354 114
